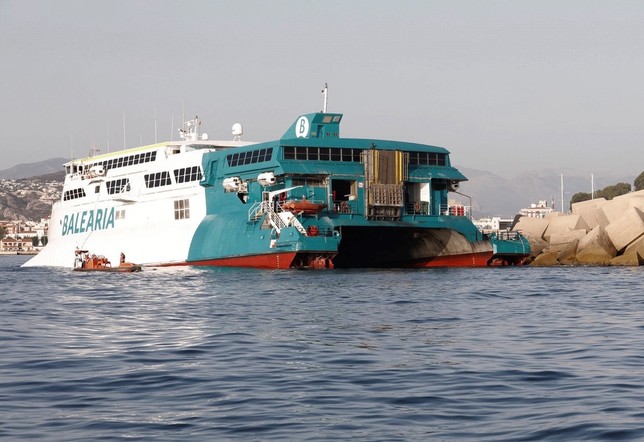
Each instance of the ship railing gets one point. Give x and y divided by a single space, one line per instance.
417 208
256 211
506 235
345 206
456 210
277 218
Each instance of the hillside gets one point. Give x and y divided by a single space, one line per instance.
33 169
496 196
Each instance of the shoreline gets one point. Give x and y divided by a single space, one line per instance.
17 253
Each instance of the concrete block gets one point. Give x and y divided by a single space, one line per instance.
587 210
537 245
578 208
567 254
637 201
560 240
630 259
594 255
601 217
565 223
615 208
628 196
546 259
531 227
636 247
627 228
597 238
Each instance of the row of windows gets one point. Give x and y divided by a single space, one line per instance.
73 194
118 186
187 174
308 181
322 154
139 158
252 157
157 179
428 158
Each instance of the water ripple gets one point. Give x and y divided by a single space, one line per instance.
225 354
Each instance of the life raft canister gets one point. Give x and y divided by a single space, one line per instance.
312 231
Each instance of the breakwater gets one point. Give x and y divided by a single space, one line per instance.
596 232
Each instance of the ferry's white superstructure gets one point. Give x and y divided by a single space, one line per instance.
145 202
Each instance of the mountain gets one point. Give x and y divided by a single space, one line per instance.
496 196
33 169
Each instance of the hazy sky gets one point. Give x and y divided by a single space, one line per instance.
506 86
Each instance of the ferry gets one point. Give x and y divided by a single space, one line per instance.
310 199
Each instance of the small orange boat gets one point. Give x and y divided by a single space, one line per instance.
86 262
303 206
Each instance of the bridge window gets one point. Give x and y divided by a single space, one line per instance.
322 154
428 158
252 157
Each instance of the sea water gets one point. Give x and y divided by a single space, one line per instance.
236 354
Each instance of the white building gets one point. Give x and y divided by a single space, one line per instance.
539 210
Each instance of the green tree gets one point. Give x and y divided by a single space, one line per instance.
611 192
579 197
639 182
34 241
2 232
44 240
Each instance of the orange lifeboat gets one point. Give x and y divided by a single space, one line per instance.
303 206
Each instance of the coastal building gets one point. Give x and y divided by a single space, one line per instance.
493 224
539 210
16 245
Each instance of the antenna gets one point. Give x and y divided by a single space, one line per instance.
325 91
562 195
124 130
155 123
